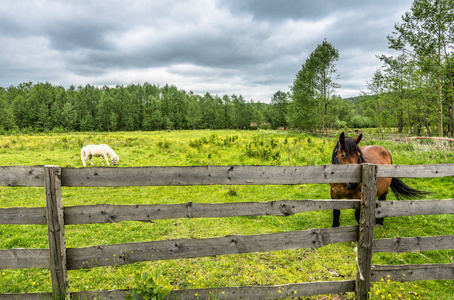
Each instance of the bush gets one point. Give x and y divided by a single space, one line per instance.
164 144
360 122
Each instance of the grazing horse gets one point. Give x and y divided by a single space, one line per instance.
347 151
98 150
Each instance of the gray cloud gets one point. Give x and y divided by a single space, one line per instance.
253 48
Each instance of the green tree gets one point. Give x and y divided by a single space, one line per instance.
87 123
104 109
377 87
427 33
86 101
113 121
241 112
69 116
7 120
313 88
325 56
278 109
194 113
398 84
228 112
208 111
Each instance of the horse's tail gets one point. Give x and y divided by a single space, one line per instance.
401 190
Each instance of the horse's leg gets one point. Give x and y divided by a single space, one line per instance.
107 160
357 211
336 212
336 217
89 158
84 158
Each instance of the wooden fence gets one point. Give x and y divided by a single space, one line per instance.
59 259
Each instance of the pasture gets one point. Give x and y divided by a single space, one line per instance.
185 148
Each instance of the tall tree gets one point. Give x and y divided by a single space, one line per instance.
396 80
377 88
279 109
194 113
314 85
428 30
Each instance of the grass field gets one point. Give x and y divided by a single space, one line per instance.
187 148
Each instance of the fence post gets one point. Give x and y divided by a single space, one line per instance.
366 230
56 232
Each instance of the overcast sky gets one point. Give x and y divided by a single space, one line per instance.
248 47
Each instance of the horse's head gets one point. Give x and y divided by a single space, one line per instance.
347 151
115 159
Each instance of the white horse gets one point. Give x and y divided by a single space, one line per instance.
98 150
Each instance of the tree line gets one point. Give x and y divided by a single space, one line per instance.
45 107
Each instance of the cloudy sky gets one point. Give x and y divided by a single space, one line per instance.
248 47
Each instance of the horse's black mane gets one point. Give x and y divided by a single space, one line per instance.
351 148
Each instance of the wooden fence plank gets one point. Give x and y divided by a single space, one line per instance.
24 258
21 176
28 296
106 213
412 244
413 208
120 254
228 175
366 230
209 175
416 171
56 232
292 290
233 293
23 215
413 272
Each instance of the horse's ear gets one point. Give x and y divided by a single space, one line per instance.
358 138
342 138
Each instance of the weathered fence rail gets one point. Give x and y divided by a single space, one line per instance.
59 259
106 213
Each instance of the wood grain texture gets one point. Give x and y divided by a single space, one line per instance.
24 258
116 213
209 175
56 232
413 272
292 290
413 208
223 293
23 215
27 296
366 230
416 171
121 254
106 213
21 176
413 244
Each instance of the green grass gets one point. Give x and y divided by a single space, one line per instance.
186 148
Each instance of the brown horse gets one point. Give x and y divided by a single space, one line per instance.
347 151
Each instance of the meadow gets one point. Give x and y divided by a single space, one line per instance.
224 147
